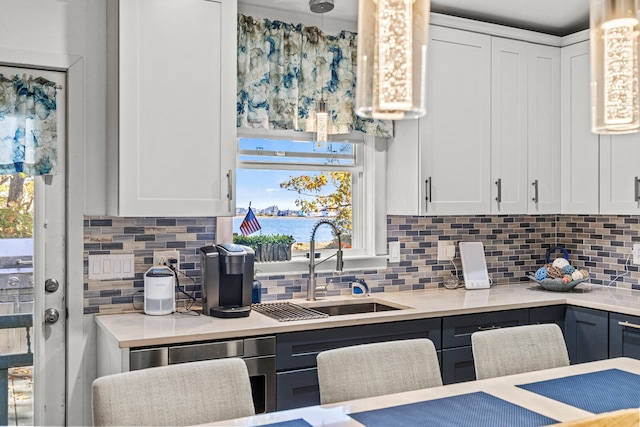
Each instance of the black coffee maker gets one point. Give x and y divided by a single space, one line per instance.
227 278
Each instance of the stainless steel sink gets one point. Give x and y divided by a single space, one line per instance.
340 308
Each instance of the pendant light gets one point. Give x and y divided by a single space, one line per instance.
615 105
392 58
322 116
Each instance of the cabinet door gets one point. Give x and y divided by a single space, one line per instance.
551 314
624 336
457 365
509 126
579 147
176 108
587 334
619 172
456 134
544 130
296 389
405 186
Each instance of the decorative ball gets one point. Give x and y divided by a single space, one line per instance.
577 275
560 262
568 269
566 279
554 272
541 273
548 265
585 273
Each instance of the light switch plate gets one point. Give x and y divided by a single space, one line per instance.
116 266
394 251
636 253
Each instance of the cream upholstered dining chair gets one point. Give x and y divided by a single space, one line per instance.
182 394
375 369
518 349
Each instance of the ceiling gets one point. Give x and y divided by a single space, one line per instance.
556 17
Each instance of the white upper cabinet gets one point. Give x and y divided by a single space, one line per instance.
619 174
543 138
509 102
455 135
579 146
491 131
171 114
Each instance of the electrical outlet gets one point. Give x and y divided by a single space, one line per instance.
162 257
446 250
636 253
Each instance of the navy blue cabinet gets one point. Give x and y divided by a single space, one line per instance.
624 336
587 334
549 314
457 357
296 377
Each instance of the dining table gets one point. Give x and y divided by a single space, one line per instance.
535 398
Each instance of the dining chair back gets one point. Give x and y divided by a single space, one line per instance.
182 394
518 349
375 369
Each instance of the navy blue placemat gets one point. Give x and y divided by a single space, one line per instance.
596 392
299 422
474 409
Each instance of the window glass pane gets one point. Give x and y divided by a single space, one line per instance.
281 151
290 202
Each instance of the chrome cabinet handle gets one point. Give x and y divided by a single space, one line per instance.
629 325
499 184
535 191
488 328
229 185
635 189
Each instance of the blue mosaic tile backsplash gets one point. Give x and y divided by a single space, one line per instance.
514 244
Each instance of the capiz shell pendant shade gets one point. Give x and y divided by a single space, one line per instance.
615 104
392 58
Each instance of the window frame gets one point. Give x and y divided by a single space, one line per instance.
368 198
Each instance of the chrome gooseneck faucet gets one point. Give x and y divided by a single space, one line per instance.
311 282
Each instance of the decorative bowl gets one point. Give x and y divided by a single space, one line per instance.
557 284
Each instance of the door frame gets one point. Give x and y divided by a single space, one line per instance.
78 382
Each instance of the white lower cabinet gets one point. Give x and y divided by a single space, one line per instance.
171 107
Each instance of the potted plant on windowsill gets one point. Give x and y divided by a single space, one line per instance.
272 247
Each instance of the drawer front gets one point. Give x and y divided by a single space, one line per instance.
205 351
624 336
457 330
296 350
550 314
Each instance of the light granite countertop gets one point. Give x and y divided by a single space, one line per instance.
137 329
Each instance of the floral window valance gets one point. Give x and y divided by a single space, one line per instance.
285 69
28 125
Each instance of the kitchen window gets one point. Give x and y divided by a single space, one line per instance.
292 182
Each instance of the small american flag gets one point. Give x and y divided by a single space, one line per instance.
249 224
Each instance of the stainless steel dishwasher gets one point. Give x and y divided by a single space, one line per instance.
258 353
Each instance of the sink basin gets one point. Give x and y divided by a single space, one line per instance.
340 308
